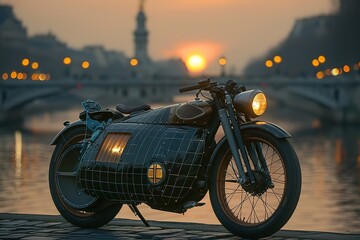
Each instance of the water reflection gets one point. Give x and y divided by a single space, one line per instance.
329 156
330 195
18 158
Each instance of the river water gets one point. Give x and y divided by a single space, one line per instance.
329 157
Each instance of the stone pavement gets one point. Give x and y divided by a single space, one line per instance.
41 227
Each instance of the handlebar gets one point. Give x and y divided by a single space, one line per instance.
189 88
201 84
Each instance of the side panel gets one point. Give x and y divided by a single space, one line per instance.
178 149
65 129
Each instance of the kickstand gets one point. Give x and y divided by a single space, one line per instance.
136 211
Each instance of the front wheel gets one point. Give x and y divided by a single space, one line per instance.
262 209
72 202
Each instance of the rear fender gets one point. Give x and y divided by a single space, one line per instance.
67 128
222 145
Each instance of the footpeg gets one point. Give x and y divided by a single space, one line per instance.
191 204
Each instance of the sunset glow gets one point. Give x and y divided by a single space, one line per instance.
195 63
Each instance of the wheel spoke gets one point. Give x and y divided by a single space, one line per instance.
267 207
232 194
277 196
278 181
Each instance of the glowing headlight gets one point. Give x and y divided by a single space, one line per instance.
252 103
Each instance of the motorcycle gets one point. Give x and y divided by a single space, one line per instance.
168 159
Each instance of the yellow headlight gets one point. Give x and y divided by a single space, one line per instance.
251 103
259 104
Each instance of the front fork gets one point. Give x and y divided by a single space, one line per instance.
231 128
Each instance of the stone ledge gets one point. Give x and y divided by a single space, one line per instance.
32 226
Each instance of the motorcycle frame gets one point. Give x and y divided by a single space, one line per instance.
232 124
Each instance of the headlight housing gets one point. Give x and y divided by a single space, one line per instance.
251 102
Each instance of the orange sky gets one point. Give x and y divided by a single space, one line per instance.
238 29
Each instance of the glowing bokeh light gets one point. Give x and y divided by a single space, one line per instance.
320 75
42 77
222 61
134 62
277 59
85 64
25 62
35 76
5 76
321 59
20 76
34 65
335 71
269 63
315 63
13 74
195 63
346 68
67 60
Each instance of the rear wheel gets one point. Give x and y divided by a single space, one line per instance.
261 209
72 202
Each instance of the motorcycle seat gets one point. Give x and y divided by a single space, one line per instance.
130 109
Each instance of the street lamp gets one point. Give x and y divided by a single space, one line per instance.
222 62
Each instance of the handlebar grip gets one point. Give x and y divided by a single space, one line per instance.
189 88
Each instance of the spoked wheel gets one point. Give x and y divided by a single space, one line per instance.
72 202
263 208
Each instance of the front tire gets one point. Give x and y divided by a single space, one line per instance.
264 213
77 207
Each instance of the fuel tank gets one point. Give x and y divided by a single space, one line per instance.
194 113
156 157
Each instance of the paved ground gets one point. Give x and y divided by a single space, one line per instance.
41 227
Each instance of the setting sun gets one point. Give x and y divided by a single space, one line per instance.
195 63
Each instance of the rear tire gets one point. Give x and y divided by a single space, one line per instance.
77 207
261 215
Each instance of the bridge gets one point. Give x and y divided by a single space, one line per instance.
336 98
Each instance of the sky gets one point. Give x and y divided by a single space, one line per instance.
240 30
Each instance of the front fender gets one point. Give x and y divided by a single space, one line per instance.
271 128
66 129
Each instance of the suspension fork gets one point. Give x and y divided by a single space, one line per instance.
258 159
232 131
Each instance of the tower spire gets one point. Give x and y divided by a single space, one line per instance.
141 35
141 8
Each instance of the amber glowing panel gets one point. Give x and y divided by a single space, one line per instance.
113 147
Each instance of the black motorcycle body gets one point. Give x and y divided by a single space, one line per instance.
168 159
